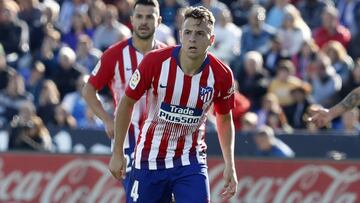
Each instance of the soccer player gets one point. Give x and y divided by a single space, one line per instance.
182 82
323 116
117 65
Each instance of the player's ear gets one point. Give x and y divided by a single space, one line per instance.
212 39
159 20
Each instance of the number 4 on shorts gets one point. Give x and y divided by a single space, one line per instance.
134 191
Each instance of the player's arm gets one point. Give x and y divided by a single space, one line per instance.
123 114
324 116
89 93
226 134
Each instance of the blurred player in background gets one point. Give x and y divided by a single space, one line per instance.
182 83
323 116
116 67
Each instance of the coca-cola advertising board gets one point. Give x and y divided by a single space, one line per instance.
50 178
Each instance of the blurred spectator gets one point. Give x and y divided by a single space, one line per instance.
80 25
110 31
274 55
295 112
276 14
241 106
28 131
240 10
325 81
249 122
12 97
14 33
68 8
215 6
90 121
353 46
353 82
86 55
269 146
4 69
311 10
50 51
228 36
305 58
164 34
35 82
340 60
32 14
168 11
97 11
284 82
293 32
178 23
253 79
349 12
68 71
271 112
256 35
125 8
51 10
49 98
74 103
350 122
331 29
63 118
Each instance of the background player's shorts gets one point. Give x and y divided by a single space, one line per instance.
187 183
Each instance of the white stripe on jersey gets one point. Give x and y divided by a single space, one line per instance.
117 85
139 57
127 63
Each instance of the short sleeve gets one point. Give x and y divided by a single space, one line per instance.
142 78
225 102
103 72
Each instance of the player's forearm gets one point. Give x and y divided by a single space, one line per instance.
122 122
89 94
226 134
351 101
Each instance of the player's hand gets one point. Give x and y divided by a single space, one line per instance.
320 117
231 183
117 166
109 127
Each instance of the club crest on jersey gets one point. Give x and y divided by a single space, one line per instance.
134 80
206 93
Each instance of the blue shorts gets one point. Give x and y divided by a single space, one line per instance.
187 184
129 155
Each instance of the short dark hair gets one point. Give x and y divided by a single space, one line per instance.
200 13
154 3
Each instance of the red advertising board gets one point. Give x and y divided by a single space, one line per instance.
48 178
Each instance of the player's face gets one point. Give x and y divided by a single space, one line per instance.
196 37
144 20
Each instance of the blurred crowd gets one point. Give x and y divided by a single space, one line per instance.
288 58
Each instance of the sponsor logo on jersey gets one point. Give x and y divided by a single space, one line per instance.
134 80
206 93
180 115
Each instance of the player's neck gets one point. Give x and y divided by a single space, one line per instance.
143 46
190 66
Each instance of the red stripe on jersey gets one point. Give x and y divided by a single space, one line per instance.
121 67
148 139
180 146
133 58
203 83
163 144
186 91
170 82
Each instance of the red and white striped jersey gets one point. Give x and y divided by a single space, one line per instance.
114 69
174 131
